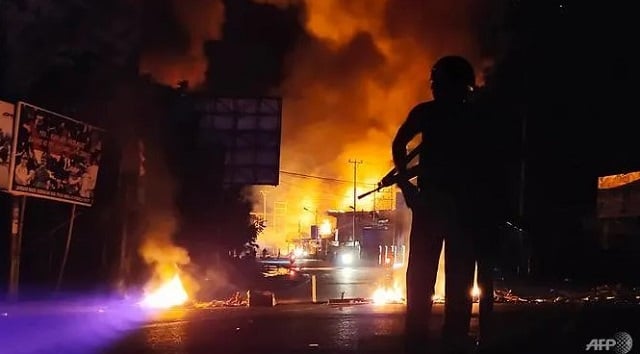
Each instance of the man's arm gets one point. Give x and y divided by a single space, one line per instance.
407 131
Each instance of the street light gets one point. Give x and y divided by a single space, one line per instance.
315 213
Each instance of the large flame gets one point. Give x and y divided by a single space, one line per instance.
383 294
349 80
348 84
167 295
439 292
347 90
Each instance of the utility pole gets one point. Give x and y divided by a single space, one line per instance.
523 165
374 208
521 196
355 183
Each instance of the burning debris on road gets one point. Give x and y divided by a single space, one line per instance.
237 300
170 294
614 294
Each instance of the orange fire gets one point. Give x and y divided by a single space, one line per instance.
384 295
167 295
396 294
475 291
325 228
346 92
439 293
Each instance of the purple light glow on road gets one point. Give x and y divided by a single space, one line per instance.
71 327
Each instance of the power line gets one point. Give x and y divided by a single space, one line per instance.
303 175
327 192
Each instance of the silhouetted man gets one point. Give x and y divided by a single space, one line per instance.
443 202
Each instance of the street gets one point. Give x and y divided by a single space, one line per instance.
300 329
295 325
334 282
368 328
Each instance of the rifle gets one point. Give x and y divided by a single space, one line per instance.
391 177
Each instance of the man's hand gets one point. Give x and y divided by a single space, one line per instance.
410 193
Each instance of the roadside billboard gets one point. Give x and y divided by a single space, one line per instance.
55 157
249 132
6 141
619 195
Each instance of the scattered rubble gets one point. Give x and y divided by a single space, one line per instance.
505 295
614 294
349 301
236 300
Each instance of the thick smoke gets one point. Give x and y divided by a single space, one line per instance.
350 80
157 247
175 33
350 84
349 87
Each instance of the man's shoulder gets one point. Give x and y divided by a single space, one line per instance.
423 109
424 106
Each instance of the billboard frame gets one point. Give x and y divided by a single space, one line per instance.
249 129
618 196
4 187
16 125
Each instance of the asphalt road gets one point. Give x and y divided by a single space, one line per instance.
366 328
321 328
115 326
333 283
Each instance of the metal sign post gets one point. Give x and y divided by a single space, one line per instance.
17 221
67 246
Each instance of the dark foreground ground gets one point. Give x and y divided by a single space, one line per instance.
123 328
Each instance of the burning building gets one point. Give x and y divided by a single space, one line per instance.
380 236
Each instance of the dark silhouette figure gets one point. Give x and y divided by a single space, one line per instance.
445 204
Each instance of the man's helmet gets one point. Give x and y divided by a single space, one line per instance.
453 70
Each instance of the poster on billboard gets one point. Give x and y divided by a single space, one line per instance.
619 195
6 139
55 157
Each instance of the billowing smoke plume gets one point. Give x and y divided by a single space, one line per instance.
158 248
175 33
350 84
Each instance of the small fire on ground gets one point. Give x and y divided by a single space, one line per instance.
388 296
168 295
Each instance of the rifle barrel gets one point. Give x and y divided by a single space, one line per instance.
413 153
391 174
368 193
391 180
